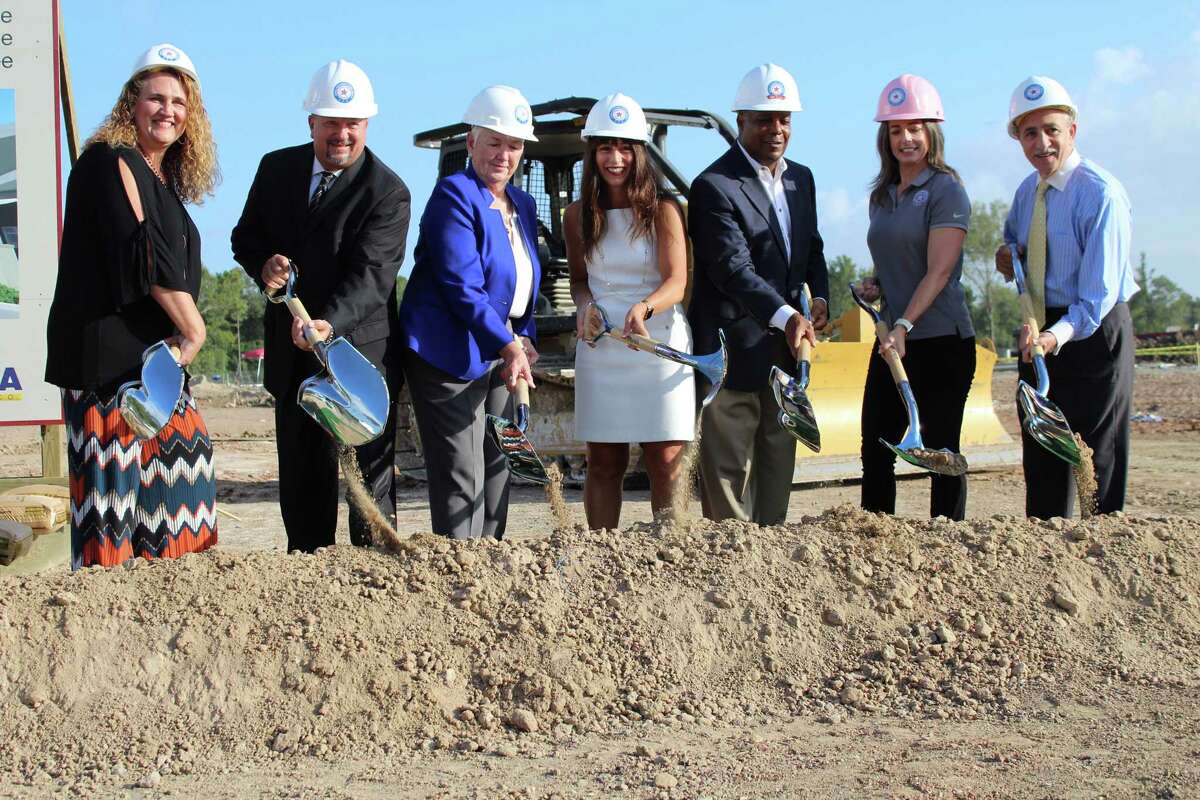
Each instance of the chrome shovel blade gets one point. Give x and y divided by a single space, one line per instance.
518 451
796 414
943 462
1046 424
147 405
349 398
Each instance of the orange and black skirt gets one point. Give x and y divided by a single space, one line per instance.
131 497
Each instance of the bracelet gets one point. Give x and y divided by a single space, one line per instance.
649 310
903 323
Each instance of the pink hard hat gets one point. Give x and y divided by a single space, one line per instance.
909 97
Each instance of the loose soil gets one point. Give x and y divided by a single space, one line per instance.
844 654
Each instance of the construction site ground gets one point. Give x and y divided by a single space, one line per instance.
841 655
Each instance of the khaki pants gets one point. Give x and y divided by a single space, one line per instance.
746 458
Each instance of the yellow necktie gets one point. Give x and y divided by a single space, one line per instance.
1035 255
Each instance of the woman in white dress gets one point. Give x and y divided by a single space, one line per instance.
626 245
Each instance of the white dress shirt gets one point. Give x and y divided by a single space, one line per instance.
317 169
772 183
524 288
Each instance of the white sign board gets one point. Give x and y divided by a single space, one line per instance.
29 195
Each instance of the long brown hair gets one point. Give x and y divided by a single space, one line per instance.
642 185
190 163
889 167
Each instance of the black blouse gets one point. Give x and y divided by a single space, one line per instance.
103 316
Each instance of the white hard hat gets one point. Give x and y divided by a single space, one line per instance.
502 109
341 89
617 116
1037 91
165 56
768 87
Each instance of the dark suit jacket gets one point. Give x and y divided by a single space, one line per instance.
741 272
347 253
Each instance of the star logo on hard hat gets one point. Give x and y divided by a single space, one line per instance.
168 54
1033 91
775 91
897 96
343 92
619 115
521 113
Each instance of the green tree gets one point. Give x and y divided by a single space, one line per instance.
1161 304
843 271
229 310
8 294
994 308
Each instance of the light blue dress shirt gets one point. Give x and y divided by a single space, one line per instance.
1088 237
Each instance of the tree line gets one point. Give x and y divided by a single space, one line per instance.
1160 305
233 307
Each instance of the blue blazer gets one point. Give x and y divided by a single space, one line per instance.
455 307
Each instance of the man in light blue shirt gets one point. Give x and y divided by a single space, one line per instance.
1083 282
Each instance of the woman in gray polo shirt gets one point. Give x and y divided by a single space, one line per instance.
919 214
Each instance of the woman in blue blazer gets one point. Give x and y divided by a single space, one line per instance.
467 317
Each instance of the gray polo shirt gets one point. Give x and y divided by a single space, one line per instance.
899 242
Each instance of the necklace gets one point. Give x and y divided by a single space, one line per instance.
157 173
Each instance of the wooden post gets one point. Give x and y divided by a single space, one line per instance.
54 437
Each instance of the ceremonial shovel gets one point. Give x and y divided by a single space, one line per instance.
912 449
711 366
348 397
1043 419
509 436
796 413
146 405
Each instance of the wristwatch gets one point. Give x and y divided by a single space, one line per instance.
649 310
903 323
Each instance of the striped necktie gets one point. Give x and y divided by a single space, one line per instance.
322 187
1035 257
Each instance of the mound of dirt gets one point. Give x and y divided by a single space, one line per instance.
215 660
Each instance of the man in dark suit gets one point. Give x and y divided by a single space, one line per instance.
753 221
336 211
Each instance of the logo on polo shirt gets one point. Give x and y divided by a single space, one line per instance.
343 92
619 114
775 91
897 96
521 113
1034 91
10 384
168 54
921 198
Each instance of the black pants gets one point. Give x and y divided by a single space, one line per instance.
940 370
308 478
1091 381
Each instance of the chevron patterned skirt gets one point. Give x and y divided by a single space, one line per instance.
129 497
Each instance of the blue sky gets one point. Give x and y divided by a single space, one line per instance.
1132 69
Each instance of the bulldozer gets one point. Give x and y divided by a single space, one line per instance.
551 172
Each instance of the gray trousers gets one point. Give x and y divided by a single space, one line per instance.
746 458
468 479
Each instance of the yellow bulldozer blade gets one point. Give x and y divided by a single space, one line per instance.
839 373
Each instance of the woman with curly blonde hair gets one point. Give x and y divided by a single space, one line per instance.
129 277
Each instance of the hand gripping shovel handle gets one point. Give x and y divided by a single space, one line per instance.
899 374
294 305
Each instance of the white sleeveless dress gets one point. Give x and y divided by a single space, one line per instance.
624 395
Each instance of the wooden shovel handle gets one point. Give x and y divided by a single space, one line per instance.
1031 321
522 392
301 313
805 350
643 343
890 355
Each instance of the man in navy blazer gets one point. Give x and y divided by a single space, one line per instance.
467 317
753 223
